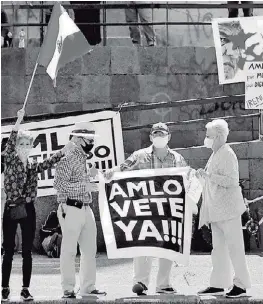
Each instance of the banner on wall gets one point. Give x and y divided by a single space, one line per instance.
51 135
147 213
238 42
254 86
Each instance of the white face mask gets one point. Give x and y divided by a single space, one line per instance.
160 142
23 152
208 142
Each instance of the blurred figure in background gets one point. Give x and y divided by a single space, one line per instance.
22 36
233 12
87 15
145 15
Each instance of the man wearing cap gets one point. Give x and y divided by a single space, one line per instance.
72 182
158 155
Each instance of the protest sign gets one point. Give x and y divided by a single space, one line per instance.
238 42
147 213
51 135
254 86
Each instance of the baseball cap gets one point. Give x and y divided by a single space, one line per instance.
160 127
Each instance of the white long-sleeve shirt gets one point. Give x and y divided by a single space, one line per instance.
222 196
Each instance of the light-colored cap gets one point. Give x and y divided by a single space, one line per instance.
84 129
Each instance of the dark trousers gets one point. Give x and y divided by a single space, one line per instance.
28 228
233 12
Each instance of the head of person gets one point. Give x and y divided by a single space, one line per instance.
230 52
83 136
24 143
216 133
160 135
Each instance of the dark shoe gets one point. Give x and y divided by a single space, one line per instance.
169 290
236 292
69 295
5 294
139 288
212 291
98 292
25 295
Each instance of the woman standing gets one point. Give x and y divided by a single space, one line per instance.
20 186
222 207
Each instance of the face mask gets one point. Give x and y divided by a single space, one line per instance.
208 142
160 142
23 152
87 147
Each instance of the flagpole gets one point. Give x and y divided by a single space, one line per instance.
30 84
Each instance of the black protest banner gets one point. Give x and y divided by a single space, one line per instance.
148 211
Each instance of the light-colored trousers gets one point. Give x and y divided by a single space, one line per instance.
228 248
142 269
145 15
78 226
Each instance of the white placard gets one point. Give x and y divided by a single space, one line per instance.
238 41
254 86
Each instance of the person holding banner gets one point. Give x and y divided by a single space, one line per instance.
20 186
159 155
72 182
222 207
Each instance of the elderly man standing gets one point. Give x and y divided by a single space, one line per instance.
223 206
72 182
159 155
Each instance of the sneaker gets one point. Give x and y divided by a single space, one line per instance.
25 295
139 288
98 292
69 295
169 290
5 294
212 291
236 292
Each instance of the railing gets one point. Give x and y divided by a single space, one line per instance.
149 106
106 6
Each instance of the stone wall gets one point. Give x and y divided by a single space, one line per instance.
113 75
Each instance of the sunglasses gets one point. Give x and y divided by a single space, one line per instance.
88 141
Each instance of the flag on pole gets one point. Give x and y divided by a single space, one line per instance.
63 43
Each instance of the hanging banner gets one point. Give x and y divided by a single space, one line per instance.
51 136
147 213
254 86
238 42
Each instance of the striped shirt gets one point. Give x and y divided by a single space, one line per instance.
147 159
72 176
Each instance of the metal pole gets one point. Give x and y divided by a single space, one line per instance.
42 27
104 20
167 28
30 84
261 125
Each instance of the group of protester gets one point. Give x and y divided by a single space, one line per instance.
222 207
